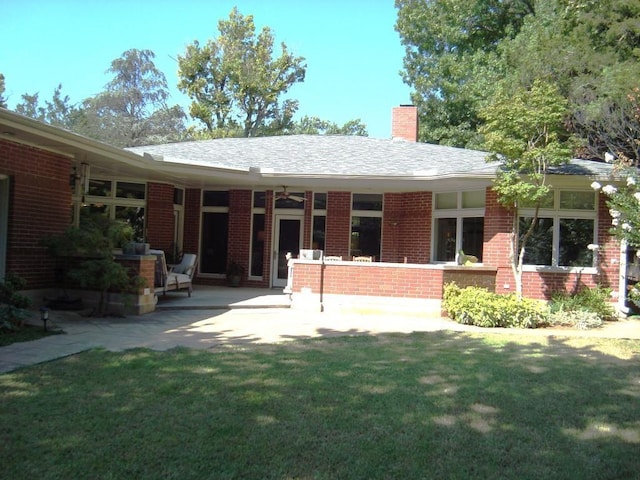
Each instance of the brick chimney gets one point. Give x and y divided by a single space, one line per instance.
404 122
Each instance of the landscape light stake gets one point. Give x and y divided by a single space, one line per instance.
44 316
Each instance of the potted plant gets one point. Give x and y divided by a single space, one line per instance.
235 271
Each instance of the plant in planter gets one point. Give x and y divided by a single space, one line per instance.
88 253
235 271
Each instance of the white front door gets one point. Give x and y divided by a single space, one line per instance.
287 239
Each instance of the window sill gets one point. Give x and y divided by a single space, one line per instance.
548 269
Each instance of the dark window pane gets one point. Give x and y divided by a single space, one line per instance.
367 201
538 250
130 190
472 236
178 196
577 200
257 245
290 202
319 226
575 235
446 239
365 236
134 216
101 188
215 198
258 199
320 201
215 231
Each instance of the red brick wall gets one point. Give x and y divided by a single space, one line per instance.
240 206
497 233
368 279
406 227
160 219
338 236
192 209
39 206
404 122
609 251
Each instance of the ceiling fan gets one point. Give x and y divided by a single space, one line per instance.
285 195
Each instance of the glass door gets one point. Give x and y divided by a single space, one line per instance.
288 238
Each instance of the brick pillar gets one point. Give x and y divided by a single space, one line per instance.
192 209
404 122
609 248
240 205
160 220
497 231
338 235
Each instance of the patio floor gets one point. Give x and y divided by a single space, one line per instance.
215 297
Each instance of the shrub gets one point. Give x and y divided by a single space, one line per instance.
580 319
477 306
13 305
594 300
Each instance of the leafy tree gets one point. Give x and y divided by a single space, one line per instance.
3 99
235 82
624 200
452 60
133 108
525 132
459 52
317 126
58 112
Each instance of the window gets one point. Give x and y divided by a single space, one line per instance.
291 201
563 231
117 200
458 224
257 235
215 232
366 224
319 223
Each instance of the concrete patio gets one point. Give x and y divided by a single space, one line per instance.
216 318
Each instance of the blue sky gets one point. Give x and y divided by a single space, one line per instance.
352 51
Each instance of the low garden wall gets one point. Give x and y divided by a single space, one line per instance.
380 286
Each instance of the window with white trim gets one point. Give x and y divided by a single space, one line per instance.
319 221
257 235
565 228
366 224
118 200
458 219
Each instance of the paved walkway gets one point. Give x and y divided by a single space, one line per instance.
245 324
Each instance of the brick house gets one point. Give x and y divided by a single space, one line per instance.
410 206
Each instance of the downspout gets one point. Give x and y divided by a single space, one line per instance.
622 279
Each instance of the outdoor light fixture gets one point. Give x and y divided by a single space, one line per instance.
44 316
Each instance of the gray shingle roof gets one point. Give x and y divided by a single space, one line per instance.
339 156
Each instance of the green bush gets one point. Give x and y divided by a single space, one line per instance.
580 319
477 306
594 300
13 305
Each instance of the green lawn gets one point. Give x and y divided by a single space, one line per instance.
437 405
